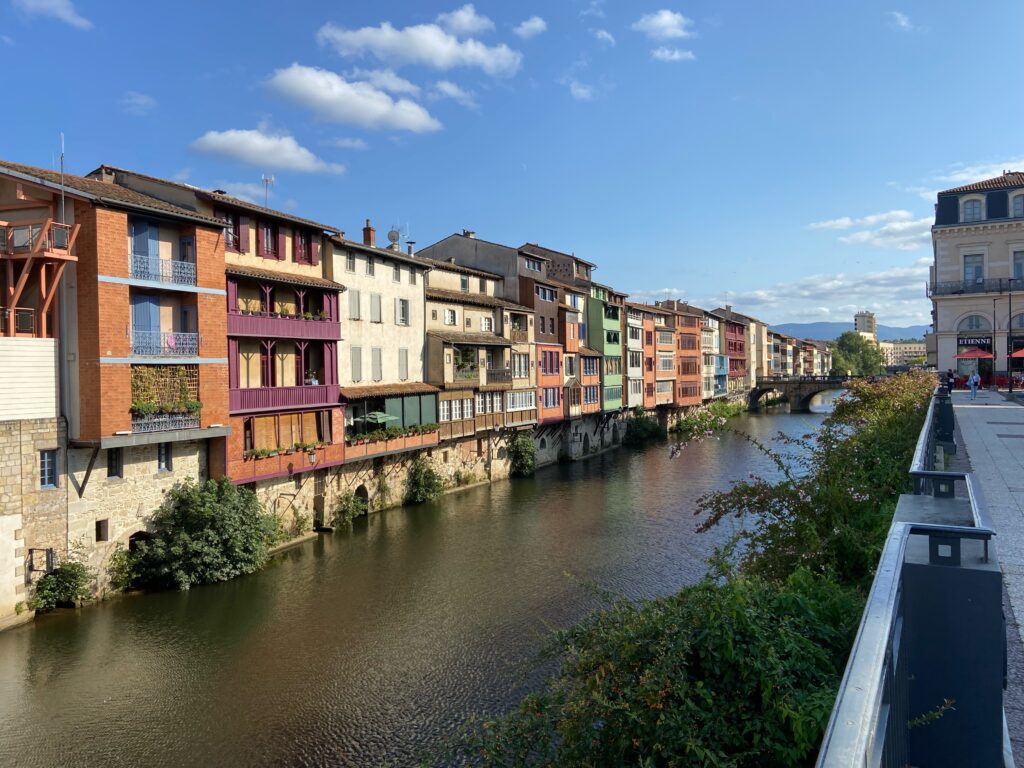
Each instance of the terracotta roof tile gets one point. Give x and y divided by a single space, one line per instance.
385 390
478 299
1008 180
480 339
439 264
283 277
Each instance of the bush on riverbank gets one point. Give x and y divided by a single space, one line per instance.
202 533
642 430
66 585
740 669
423 484
348 508
522 455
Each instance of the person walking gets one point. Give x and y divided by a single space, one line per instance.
950 381
973 381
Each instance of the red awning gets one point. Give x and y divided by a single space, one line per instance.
974 354
1018 353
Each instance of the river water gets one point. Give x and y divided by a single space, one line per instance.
364 647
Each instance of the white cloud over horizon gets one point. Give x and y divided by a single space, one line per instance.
532 27
333 98
262 149
63 10
425 44
896 229
465 21
663 25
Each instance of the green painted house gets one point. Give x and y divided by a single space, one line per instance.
604 321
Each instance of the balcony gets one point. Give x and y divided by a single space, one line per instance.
24 321
173 271
978 285
499 376
519 336
273 326
467 373
243 400
164 344
165 422
358 448
37 237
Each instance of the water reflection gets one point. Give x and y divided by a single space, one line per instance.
363 647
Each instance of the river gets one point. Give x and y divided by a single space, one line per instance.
365 647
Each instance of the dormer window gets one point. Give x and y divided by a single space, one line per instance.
532 264
1018 207
464 282
971 210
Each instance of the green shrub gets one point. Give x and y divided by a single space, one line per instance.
201 534
348 508
65 585
522 455
642 430
424 484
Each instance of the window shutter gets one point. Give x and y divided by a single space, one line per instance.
403 364
243 234
280 243
314 249
398 312
375 316
997 205
261 247
353 305
357 364
376 363
140 237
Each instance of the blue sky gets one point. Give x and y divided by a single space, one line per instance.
781 156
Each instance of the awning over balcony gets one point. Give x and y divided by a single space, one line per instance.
470 339
387 390
282 277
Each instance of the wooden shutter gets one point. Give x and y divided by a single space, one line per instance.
353 305
398 311
376 363
140 237
309 433
243 234
280 243
375 314
357 363
265 432
403 364
314 249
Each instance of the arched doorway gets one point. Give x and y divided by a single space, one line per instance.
586 442
363 496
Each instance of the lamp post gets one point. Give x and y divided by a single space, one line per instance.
1009 337
994 350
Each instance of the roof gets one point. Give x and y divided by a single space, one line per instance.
589 352
222 198
107 193
479 299
683 308
540 252
453 267
385 390
729 315
1007 180
580 289
284 277
384 253
479 339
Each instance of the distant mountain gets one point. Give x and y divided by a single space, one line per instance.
831 331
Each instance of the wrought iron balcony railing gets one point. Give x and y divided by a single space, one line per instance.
165 422
160 270
161 344
978 285
466 372
499 376
24 321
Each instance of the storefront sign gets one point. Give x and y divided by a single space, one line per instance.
974 341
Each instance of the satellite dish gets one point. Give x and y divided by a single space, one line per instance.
394 235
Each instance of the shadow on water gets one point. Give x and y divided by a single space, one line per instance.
365 646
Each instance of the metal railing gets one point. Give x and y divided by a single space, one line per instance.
22 238
881 691
24 321
499 376
165 422
977 285
163 344
467 372
163 270
519 336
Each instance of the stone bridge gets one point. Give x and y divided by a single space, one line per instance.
798 390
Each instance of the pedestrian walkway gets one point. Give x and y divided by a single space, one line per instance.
991 438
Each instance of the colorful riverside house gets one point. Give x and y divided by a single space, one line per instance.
664 358
468 357
735 329
570 311
650 357
381 353
709 345
605 322
122 293
634 355
688 320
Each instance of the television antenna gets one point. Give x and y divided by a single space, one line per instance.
268 182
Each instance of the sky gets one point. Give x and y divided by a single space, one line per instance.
781 157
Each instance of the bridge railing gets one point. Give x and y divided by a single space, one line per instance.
924 680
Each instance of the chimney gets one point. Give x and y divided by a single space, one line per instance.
369 235
409 244
469 233
728 307
451 259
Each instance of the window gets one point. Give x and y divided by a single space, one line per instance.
974 268
496 402
612 337
551 325
552 397
663 387
636 386
375 313
665 338
446 410
590 395
396 273
635 359
1018 266
648 338
590 366
369 265
449 317
634 334
570 365
164 459
521 401
115 462
353 304
613 393
1018 206
402 312
403 365
483 285
102 530
487 324
972 210
456 410
301 248
357 363
232 231
376 363
520 365
267 244
464 282
350 262
412 276
48 468
974 323
613 366
532 264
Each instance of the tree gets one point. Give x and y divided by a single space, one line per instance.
852 353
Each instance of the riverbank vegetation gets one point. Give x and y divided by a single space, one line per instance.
201 534
65 586
642 429
423 483
522 455
856 355
740 669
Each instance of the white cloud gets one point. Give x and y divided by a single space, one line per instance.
532 27
252 191
465 21
594 8
264 150
603 35
348 143
448 90
846 222
385 80
57 9
579 91
959 174
664 25
896 229
901 21
137 104
665 53
337 100
897 295
426 44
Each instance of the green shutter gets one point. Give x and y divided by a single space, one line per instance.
411 404
393 407
428 409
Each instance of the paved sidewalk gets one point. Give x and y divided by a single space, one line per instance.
991 438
